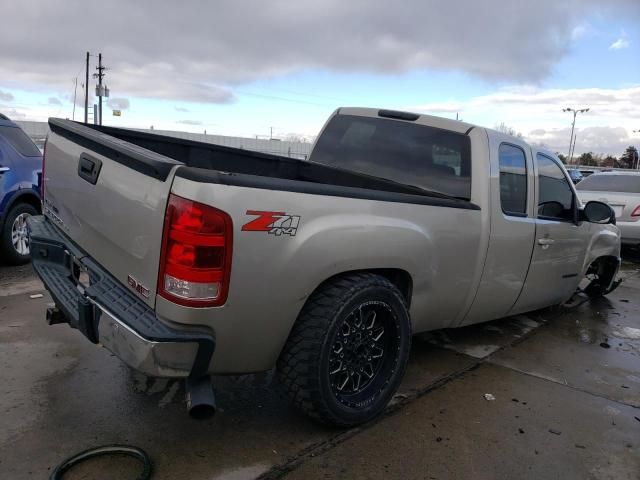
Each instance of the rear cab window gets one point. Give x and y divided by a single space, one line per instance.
19 140
513 180
412 154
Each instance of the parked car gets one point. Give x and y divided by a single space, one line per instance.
186 259
621 190
575 175
20 174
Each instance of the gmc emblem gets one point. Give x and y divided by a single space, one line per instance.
137 286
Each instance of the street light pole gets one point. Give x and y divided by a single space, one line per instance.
573 126
637 155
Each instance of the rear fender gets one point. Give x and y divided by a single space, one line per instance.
335 244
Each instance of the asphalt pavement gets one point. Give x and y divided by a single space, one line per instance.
552 394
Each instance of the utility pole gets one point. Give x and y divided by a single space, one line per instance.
86 91
75 90
100 91
573 126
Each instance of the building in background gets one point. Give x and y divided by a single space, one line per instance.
38 132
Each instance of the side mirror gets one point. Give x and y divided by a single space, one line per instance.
599 212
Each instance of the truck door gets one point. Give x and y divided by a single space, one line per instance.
512 230
560 244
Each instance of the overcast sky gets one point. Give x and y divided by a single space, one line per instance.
243 67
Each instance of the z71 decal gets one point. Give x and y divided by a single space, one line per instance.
276 223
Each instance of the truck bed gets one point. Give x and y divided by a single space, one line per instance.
227 165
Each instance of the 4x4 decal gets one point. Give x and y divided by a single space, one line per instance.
275 223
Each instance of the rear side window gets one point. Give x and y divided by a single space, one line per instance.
611 183
555 195
513 180
408 153
19 141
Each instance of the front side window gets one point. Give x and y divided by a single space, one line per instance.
409 153
555 196
513 180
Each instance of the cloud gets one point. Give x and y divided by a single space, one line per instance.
181 109
6 96
580 30
602 101
606 140
14 114
189 122
119 103
494 40
620 44
54 101
79 97
537 113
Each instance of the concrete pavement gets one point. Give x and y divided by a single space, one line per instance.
547 371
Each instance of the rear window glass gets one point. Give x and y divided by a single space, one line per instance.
513 179
19 141
611 183
412 154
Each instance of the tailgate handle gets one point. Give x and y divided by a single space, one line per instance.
89 168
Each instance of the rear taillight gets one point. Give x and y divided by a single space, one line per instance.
42 178
636 212
195 260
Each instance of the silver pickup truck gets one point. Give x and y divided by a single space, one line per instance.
187 259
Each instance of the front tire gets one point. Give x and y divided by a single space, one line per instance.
14 243
600 276
348 350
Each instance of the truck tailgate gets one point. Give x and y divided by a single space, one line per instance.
109 197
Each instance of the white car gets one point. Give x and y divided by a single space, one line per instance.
621 190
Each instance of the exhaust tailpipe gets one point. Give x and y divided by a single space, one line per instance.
201 402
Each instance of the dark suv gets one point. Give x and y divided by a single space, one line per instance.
20 180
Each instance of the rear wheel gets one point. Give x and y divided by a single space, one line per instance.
348 350
14 241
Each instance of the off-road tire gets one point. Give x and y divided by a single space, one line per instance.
7 250
303 366
602 283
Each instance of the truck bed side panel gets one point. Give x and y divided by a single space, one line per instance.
274 274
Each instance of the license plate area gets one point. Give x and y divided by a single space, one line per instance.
79 273
618 210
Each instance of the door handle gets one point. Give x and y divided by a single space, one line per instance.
89 168
4 169
545 242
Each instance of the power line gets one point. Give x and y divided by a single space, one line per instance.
314 95
284 99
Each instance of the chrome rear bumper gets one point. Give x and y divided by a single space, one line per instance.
127 326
